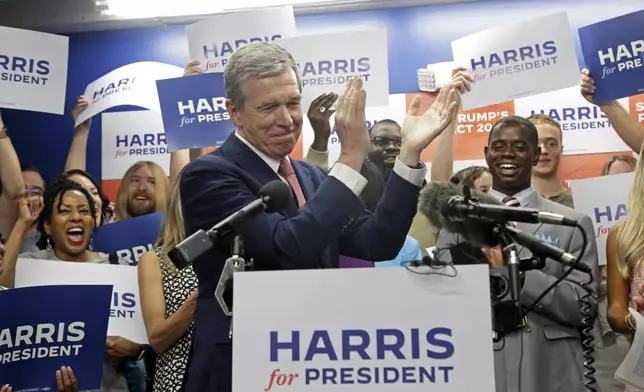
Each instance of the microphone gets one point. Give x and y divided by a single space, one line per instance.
272 197
431 202
458 207
546 250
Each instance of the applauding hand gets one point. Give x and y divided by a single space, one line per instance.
29 209
418 130
351 125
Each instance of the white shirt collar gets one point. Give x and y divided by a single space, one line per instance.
273 163
524 197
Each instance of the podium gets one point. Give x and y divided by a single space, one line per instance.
372 329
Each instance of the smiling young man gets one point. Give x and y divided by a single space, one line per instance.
545 175
545 353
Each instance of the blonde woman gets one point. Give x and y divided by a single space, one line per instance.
168 299
624 255
142 191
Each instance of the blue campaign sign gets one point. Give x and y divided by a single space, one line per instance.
44 328
614 54
194 111
130 238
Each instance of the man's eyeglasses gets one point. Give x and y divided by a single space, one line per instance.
385 141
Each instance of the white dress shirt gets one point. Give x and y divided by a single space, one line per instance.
346 175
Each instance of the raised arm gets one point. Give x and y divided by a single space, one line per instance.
13 185
319 116
77 155
443 159
627 128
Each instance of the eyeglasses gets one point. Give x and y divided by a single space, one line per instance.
36 191
385 141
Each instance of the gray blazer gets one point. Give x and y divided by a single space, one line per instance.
552 358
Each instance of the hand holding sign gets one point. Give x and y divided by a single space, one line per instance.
66 380
81 105
351 125
462 82
587 85
418 130
193 68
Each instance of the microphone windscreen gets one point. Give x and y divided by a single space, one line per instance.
433 203
277 194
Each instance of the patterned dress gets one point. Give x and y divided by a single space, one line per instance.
171 365
636 281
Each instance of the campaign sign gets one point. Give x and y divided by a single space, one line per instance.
133 84
586 130
605 201
127 138
33 70
194 111
125 320
614 53
45 328
328 62
129 239
361 337
518 60
213 40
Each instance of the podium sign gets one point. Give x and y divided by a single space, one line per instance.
366 329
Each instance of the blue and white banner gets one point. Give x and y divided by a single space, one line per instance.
348 338
129 239
33 70
45 328
214 39
133 84
605 200
614 53
518 60
194 111
328 62
126 319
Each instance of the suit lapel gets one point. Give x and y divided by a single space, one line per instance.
238 152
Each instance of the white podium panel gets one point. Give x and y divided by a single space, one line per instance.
372 329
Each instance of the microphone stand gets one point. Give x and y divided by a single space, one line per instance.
511 257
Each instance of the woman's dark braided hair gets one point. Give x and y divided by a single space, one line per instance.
58 187
106 211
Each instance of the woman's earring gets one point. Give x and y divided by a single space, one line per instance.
90 247
49 248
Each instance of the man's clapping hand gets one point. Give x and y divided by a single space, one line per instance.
351 125
418 130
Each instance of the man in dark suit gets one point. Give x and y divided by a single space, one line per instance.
326 219
545 354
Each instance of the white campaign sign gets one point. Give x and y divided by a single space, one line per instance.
395 111
586 130
133 84
365 334
518 60
605 201
327 62
126 319
33 70
130 137
214 39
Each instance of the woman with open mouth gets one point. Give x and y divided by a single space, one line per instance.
66 216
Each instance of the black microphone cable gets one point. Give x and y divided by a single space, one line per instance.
590 382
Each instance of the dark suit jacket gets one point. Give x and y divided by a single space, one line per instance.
332 221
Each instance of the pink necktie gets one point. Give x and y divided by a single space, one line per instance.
286 171
510 201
